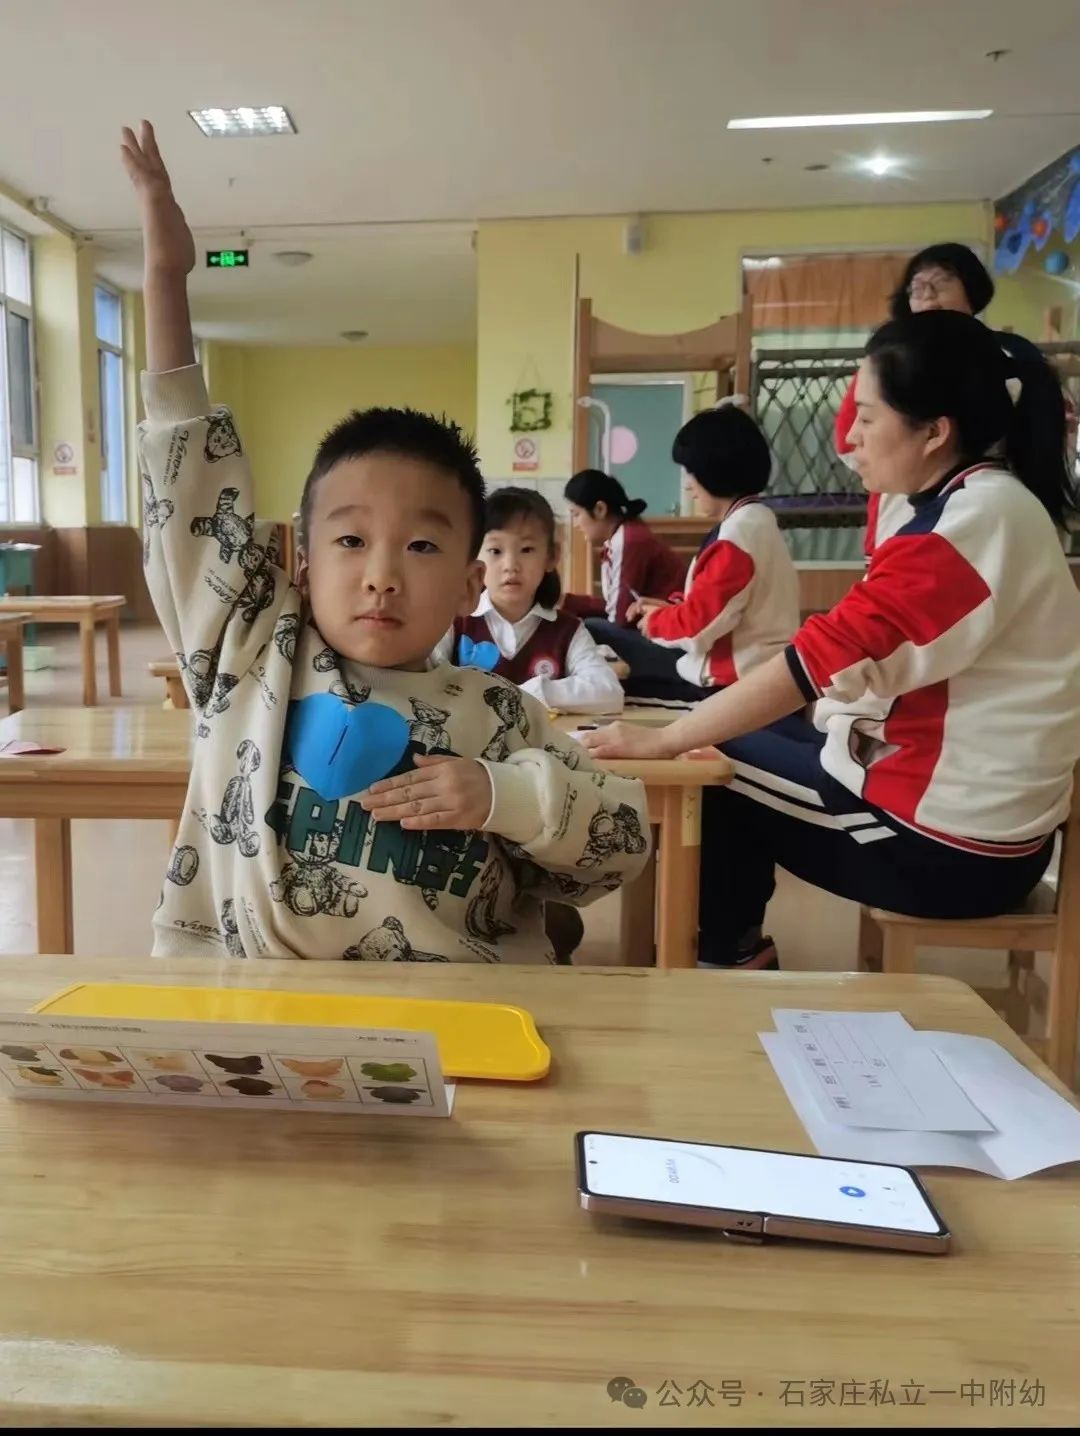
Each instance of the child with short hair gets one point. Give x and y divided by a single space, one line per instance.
348 798
516 629
634 562
741 604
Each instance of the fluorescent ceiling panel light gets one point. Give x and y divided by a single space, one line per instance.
228 123
884 117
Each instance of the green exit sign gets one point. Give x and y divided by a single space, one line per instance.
226 259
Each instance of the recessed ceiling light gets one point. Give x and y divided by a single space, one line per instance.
354 336
815 168
884 117
236 120
293 258
879 165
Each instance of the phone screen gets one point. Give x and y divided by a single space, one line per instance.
746 1180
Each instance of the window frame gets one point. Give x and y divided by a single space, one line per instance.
106 346
31 451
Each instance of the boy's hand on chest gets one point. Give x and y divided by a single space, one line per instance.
440 792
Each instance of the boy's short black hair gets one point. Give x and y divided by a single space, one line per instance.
409 434
725 451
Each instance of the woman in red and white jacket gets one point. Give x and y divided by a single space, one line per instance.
947 682
634 562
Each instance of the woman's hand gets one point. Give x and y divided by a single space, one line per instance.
641 606
628 740
170 247
443 792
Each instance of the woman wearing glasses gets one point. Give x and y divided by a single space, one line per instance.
942 276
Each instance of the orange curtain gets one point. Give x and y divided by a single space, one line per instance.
832 292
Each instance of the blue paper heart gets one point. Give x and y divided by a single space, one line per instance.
471 654
340 748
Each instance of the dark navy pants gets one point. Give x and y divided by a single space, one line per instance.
652 667
782 809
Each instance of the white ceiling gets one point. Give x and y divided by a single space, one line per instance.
457 110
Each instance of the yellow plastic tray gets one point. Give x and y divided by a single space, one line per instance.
476 1039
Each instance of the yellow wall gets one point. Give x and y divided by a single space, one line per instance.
70 405
688 275
285 399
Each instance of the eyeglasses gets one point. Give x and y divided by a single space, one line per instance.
930 288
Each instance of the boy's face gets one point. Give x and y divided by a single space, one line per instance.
389 565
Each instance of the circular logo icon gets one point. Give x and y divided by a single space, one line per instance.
853 1191
544 668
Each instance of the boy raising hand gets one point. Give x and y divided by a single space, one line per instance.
339 805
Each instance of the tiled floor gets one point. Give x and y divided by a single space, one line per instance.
118 866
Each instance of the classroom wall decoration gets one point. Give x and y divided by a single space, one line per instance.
530 411
1043 214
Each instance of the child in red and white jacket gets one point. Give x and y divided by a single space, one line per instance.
741 602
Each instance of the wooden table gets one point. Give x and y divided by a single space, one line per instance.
169 669
87 611
265 1269
11 641
135 762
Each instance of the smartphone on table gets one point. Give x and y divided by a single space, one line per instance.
752 1194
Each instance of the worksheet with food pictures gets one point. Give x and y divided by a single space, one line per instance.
220 1064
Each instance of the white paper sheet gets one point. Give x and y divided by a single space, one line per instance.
865 1070
1033 1127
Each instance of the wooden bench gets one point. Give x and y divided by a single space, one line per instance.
11 641
87 610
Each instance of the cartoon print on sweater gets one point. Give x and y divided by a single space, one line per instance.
286 632
388 943
485 954
567 758
236 821
232 532
183 865
233 946
428 732
313 884
259 591
209 689
611 833
222 440
156 513
508 708
326 661
481 918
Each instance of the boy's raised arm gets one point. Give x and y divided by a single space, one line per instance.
216 588
169 254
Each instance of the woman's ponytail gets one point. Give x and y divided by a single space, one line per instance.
1035 436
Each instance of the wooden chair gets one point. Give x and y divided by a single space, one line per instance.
888 940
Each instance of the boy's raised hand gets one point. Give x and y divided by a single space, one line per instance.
169 245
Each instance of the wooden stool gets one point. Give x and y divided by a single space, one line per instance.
87 610
11 641
175 692
1044 925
